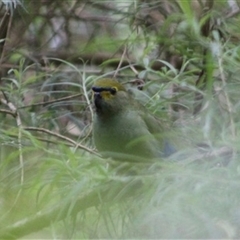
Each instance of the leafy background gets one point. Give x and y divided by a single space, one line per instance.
180 58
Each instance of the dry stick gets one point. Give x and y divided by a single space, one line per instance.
233 5
202 79
52 101
228 102
16 114
19 125
72 143
95 59
121 61
61 137
7 17
45 68
46 140
131 65
10 105
8 112
89 105
233 13
223 151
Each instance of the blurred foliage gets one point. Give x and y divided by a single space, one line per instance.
179 58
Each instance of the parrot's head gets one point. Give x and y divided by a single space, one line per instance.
110 97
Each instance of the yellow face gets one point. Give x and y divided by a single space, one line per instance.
108 94
107 88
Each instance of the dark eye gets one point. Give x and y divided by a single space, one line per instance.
113 90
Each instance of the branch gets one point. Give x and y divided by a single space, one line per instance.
5 26
52 101
8 112
74 143
16 115
89 58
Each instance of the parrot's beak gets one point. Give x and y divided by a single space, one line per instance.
97 99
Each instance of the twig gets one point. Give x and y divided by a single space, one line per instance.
7 18
44 140
48 69
201 156
89 105
8 112
228 102
201 82
50 102
121 61
233 13
73 57
16 114
60 137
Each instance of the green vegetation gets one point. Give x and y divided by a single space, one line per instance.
179 58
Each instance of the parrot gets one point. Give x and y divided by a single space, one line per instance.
123 128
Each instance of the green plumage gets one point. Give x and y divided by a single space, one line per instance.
123 128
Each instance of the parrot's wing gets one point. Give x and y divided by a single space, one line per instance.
159 130
153 124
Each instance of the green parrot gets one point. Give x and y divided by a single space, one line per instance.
123 129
